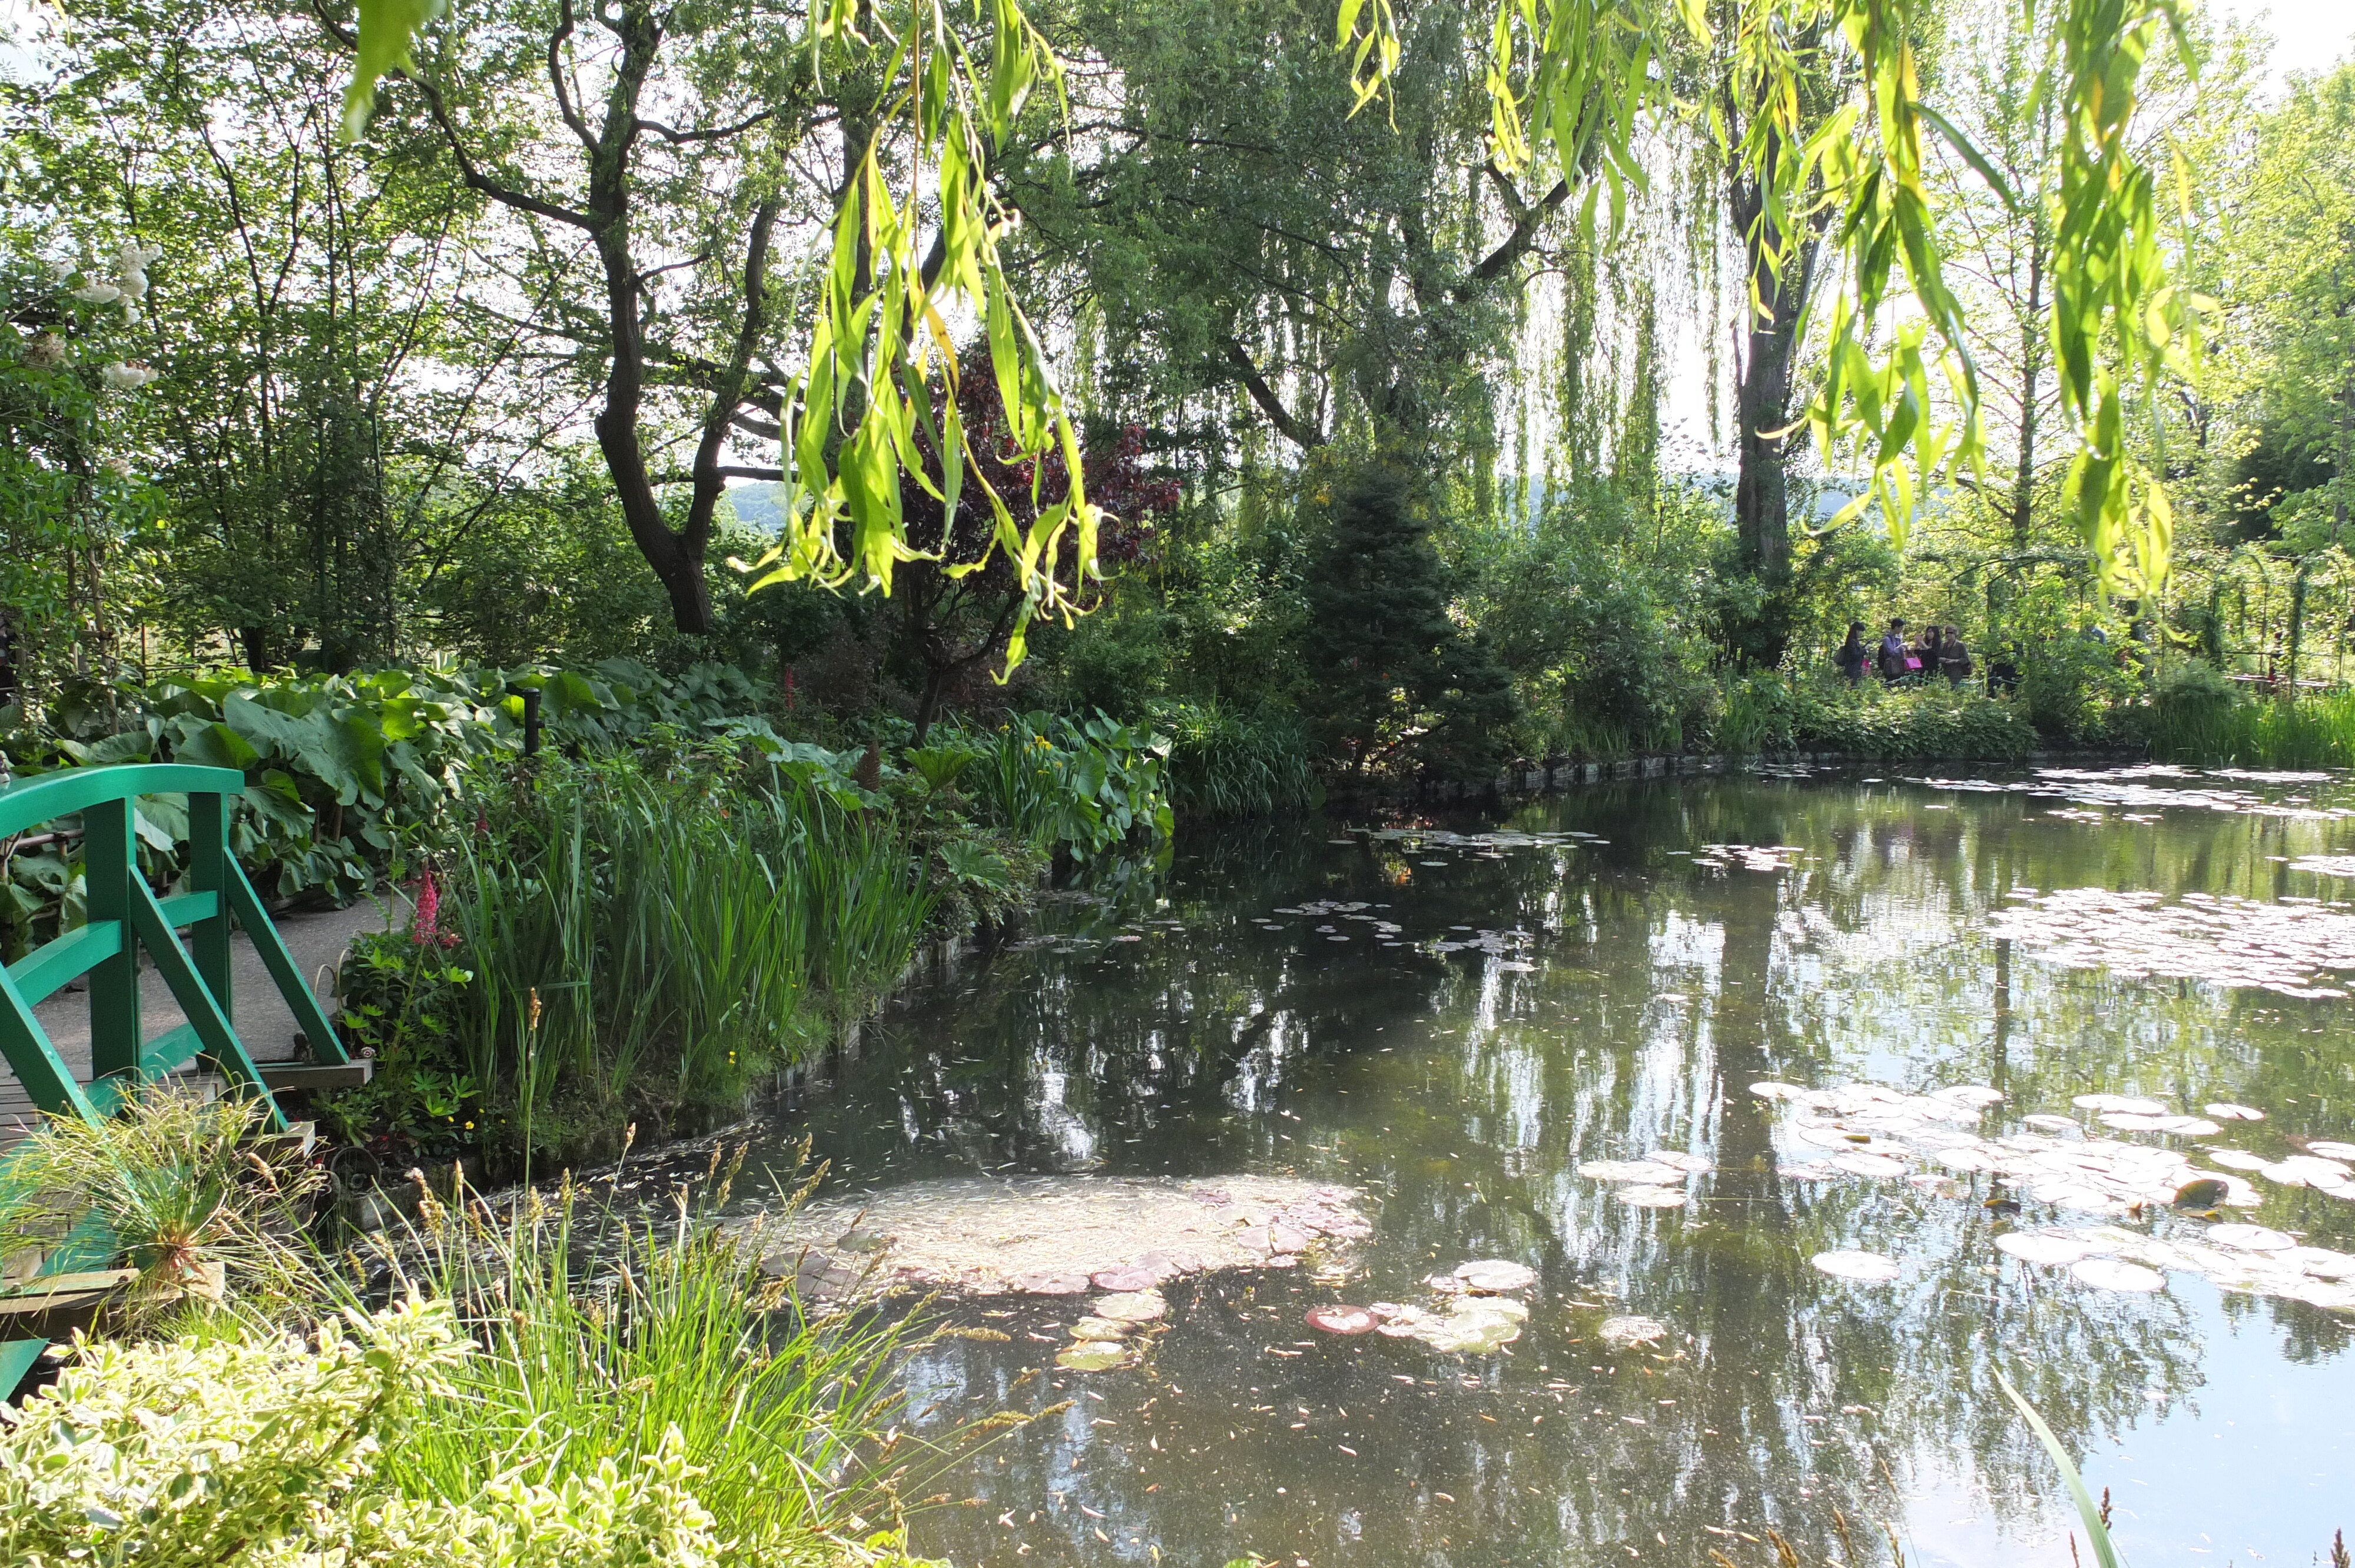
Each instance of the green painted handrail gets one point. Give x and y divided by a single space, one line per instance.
47 796
126 918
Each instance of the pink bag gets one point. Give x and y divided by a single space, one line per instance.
1913 661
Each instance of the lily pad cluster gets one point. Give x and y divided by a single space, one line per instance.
2293 947
1477 1311
2252 1259
2129 788
1109 1337
1656 1181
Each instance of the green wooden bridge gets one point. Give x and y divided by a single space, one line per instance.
126 920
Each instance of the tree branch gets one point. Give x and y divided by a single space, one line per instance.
1293 430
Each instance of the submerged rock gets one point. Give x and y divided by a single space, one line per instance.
1056 1235
1629 1329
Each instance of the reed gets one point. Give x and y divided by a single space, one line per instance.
1225 764
630 943
597 1334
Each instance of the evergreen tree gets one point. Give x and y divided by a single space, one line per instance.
1402 685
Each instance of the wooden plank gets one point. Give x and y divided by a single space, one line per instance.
315 1074
187 908
47 1081
110 858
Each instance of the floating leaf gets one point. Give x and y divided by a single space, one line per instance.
2110 1273
1342 1319
1866 1267
1622 1331
2250 1238
1099 1330
2040 1248
2204 1193
1090 1358
1493 1276
1132 1307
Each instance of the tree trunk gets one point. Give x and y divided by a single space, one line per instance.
1770 345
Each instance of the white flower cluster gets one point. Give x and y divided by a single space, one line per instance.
129 286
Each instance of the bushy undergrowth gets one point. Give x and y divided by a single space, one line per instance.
1228 764
1067 787
562 1385
1767 714
338 768
2196 716
620 938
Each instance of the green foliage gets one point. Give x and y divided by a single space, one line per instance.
1401 686
265 1445
612 1344
1929 722
1772 713
178 1182
625 938
1066 787
340 769
2093 1517
1228 764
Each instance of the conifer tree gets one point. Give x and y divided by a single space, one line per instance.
1403 686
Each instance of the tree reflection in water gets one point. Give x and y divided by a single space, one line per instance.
1464 1094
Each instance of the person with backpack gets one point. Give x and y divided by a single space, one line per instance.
1852 657
1894 651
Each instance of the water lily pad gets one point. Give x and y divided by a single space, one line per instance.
1651 1197
1771 1090
2040 1248
2237 1159
1691 1164
1342 1319
2331 1150
1622 1331
1494 1276
2046 1123
1878 1166
1050 1284
2128 1104
2224 1111
1132 1307
2205 1193
1127 1277
2250 1238
1972 1095
1090 1358
2109 1274
1100 1330
1866 1267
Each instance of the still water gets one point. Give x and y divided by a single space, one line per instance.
1503 1014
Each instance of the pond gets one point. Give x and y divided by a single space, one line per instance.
1454 1024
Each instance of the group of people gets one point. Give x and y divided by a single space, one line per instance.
1939 651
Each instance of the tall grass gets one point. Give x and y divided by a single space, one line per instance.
597 1335
2261 731
1225 764
613 942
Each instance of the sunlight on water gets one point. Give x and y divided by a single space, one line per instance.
1538 1046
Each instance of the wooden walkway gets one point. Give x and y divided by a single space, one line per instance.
316 941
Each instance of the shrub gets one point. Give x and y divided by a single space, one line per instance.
1226 763
1070 787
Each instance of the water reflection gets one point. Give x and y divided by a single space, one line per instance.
1182 1026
